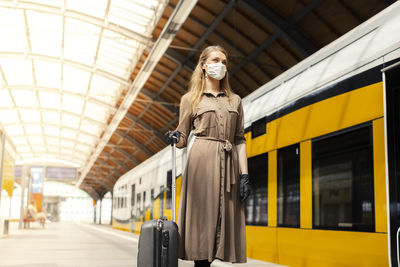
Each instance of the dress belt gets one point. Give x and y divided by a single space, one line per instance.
227 145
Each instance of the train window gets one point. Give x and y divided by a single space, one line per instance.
133 195
138 200
144 200
256 206
169 189
161 201
138 206
343 187
258 128
152 195
289 186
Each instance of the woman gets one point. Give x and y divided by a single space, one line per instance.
211 218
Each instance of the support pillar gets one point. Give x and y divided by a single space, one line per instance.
94 209
101 207
24 184
2 149
112 206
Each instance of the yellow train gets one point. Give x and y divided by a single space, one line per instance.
323 143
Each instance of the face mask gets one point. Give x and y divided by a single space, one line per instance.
216 70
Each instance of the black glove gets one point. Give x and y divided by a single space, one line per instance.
245 188
172 137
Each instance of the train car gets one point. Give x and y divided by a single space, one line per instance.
144 192
324 157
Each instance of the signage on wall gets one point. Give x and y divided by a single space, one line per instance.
37 179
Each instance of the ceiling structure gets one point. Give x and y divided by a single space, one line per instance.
63 68
106 105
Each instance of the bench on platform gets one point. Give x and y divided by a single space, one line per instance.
28 218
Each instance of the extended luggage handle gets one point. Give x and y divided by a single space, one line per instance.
174 179
397 246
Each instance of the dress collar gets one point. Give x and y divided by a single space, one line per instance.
221 93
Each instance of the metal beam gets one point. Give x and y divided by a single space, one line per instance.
158 134
42 109
100 188
90 190
104 183
166 76
117 172
110 182
212 27
273 37
152 96
99 181
236 48
284 28
177 57
126 154
99 169
61 138
64 92
139 37
104 163
58 126
134 142
110 173
116 161
78 65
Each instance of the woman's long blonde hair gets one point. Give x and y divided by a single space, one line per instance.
197 81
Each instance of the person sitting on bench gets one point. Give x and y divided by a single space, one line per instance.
34 214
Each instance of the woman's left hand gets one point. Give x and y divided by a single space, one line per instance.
245 188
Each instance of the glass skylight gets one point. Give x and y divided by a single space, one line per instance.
63 67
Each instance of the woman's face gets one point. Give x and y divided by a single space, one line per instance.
215 57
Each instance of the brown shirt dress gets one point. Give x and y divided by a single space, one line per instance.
211 217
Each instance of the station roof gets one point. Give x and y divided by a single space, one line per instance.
98 85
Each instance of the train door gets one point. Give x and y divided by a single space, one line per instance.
392 91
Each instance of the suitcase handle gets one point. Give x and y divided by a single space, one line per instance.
173 181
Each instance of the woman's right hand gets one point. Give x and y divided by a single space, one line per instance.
173 137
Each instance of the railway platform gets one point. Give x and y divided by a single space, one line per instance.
78 244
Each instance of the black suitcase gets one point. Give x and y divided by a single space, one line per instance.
158 240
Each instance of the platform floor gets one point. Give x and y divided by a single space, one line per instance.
78 244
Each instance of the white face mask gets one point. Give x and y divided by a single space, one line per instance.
216 70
